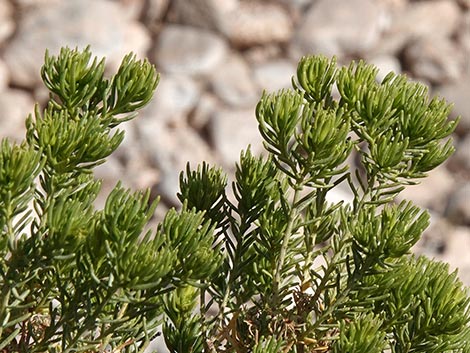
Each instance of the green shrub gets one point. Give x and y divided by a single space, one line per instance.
276 268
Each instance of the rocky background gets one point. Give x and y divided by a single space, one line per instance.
216 57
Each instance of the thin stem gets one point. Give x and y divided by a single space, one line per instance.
236 259
310 244
343 296
87 327
120 315
4 302
293 213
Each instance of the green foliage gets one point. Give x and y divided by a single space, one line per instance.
302 274
364 334
73 278
268 266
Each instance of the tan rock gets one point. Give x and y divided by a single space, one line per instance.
440 18
275 74
333 27
432 191
4 75
7 24
15 106
458 207
256 23
458 93
456 253
175 97
103 25
232 82
188 50
232 131
435 59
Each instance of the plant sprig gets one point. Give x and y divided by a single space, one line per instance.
83 279
303 271
269 266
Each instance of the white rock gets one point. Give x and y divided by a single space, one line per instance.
207 14
436 60
456 254
232 131
126 151
460 160
155 11
340 194
434 238
298 4
135 39
109 173
134 174
188 50
15 106
458 94
202 113
333 27
428 18
439 18
36 3
296 9
232 81
261 54
385 64
458 208
134 8
463 38
175 96
4 75
395 5
256 23
7 24
432 192
74 23
139 174
157 345
275 74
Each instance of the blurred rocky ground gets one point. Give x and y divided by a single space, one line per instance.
216 57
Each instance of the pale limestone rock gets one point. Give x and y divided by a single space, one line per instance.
207 14
74 23
15 106
456 254
458 207
436 60
432 191
385 64
4 75
207 105
256 23
188 50
7 24
175 97
232 82
460 160
275 74
232 131
458 94
439 18
333 27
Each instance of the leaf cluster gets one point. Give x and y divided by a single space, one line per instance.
266 264
301 274
74 278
